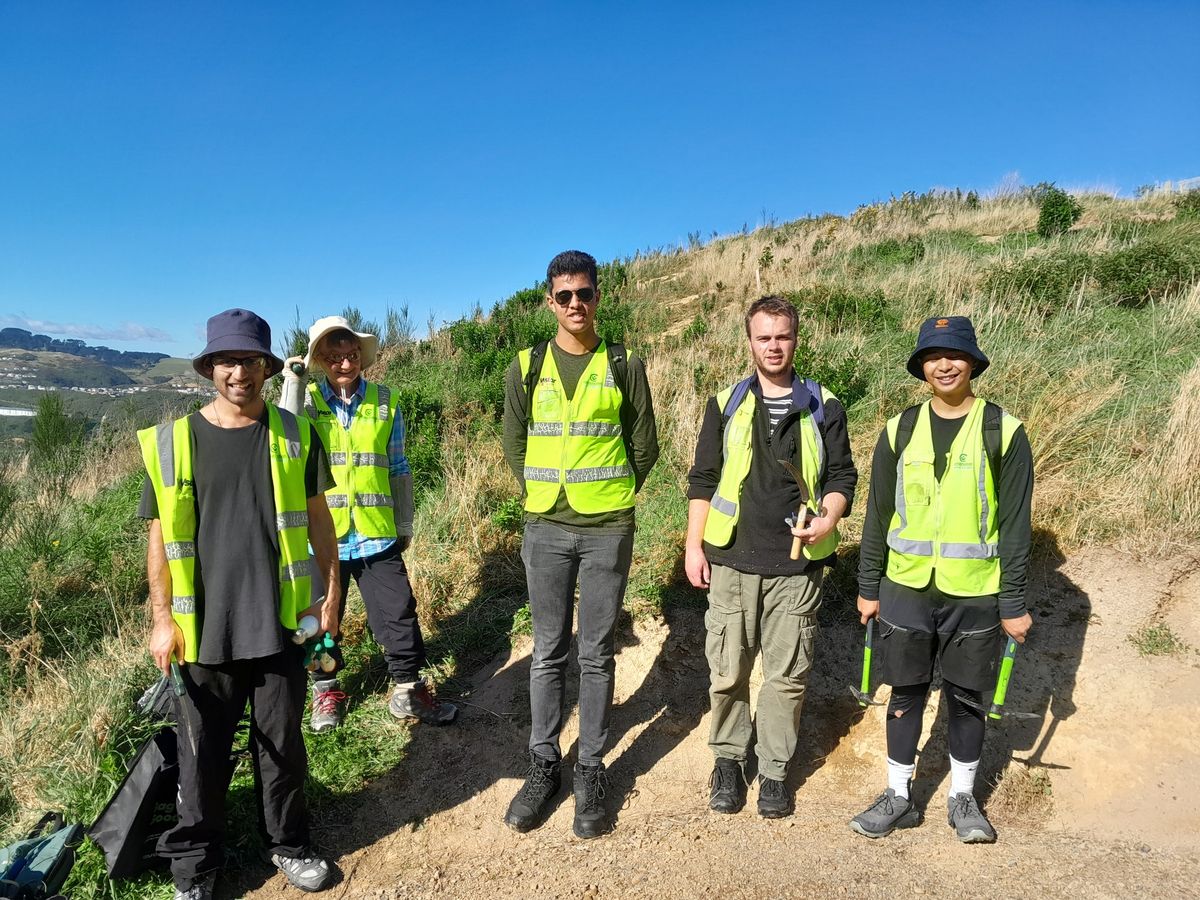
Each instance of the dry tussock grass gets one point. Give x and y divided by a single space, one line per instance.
1023 795
1171 470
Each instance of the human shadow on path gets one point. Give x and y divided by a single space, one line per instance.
1043 683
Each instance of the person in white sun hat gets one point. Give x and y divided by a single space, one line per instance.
372 506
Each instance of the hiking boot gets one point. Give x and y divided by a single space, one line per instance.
726 787
328 705
591 784
542 782
201 889
968 822
309 873
885 815
414 700
774 800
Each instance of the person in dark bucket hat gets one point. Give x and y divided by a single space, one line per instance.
235 499
237 330
947 333
943 564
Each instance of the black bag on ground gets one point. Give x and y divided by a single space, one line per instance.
38 866
142 809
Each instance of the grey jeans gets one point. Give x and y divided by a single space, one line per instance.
555 559
747 613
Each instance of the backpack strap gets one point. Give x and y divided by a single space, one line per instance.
536 354
736 396
993 416
904 429
816 403
618 363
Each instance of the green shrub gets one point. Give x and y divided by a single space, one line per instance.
697 328
1187 205
1148 270
1048 280
890 252
1058 211
839 376
845 308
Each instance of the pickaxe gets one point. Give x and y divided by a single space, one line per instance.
997 709
862 694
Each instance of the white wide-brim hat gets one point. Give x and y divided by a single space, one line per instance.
368 343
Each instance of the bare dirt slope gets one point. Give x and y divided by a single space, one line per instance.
1117 748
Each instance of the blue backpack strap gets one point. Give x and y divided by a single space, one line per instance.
736 396
816 403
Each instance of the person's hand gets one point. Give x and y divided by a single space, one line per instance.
287 367
816 529
867 609
166 644
1017 628
695 564
326 613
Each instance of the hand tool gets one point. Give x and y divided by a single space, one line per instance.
802 514
997 709
185 721
298 368
863 694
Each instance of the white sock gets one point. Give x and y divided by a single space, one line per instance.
899 775
962 776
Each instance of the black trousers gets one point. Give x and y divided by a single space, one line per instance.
208 716
391 612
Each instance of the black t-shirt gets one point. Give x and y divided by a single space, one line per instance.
237 546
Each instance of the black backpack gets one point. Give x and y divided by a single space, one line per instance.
37 867
993 416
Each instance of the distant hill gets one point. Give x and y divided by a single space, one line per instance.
20 339
51 369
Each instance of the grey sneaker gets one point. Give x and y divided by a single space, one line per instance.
416 701
328 705
201 889
309 873
885 815
774 800
968 822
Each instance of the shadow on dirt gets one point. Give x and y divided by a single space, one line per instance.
1043 683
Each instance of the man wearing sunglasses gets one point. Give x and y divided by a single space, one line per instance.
235 496
372 507
579 435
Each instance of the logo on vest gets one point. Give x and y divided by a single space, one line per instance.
963 461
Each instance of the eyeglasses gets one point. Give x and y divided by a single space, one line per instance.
336 359
585 295
220 361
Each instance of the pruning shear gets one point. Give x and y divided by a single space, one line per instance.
803 513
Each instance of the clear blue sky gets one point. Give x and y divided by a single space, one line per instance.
162 161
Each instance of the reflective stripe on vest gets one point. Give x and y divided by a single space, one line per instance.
947 530
167 455
737 455
576 445
358 461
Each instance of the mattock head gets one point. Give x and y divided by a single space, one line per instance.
864 699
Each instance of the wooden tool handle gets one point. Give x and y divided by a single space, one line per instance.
795 554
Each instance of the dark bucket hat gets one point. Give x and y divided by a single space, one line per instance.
947 333
238 330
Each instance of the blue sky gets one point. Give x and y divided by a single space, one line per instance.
162 161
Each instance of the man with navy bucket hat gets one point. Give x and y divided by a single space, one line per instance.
235 495
942 567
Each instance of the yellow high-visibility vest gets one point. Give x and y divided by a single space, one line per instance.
167 455
947 530
358 461
725 508
576 445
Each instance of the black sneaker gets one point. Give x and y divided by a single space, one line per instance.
885 815
591 784
727 787
969 822
542 782
774 800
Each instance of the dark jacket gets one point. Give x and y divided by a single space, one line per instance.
762 541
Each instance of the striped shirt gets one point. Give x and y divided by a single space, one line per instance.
777 408
352 546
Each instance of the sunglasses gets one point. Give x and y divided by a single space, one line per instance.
585 295
336 359
250 363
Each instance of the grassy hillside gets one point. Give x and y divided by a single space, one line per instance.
58 370
1094 337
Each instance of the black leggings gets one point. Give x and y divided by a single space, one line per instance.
904 722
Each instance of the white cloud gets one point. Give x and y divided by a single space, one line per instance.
125 331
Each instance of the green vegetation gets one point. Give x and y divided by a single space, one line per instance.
1187 205
1157 640
1094 336
1057 212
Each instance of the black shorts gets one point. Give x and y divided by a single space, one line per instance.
918 627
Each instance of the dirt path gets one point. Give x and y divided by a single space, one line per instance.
1117 748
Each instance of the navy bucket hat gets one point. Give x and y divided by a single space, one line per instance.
238 330
947 333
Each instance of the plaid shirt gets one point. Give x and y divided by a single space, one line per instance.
352 546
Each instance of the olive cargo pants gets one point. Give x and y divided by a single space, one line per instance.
747 613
